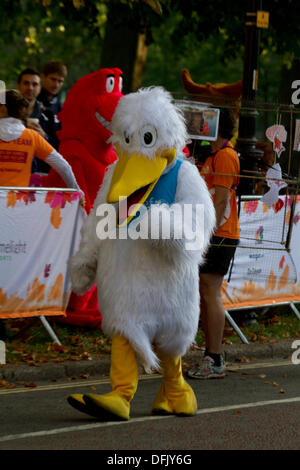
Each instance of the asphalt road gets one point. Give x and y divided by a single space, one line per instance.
256 406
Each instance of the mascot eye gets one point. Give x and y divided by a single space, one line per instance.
120 83
127 138
148 136
110 83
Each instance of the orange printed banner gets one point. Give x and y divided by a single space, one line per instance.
39 231
264 272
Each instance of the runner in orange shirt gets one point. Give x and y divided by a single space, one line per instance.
19 145
223 161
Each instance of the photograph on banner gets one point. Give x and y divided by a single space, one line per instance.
202 121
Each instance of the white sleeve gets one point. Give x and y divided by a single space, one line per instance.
59 164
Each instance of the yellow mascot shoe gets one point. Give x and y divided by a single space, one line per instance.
114 405
77 402
183 400
110 406
161 404
175 395
178 400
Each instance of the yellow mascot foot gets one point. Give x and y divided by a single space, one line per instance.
114 405
161 405
179 401
175 396
109 407
77 402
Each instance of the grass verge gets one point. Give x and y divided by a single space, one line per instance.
28 342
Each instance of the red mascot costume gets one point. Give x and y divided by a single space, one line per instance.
85 120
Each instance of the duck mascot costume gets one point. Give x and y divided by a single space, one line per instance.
142 243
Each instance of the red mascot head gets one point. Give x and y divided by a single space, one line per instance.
88 109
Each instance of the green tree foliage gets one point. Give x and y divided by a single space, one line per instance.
36 32
205 59
204 36
202 18
208 39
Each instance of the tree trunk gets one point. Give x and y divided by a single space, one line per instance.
124 47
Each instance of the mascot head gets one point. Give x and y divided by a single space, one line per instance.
148 132
89 107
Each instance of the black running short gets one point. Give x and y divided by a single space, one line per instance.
218 256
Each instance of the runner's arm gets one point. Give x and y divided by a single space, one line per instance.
220 202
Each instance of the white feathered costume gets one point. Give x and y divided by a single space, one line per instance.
148 287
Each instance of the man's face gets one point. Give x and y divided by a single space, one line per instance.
52 83
30 86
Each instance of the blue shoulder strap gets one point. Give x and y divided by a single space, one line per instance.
165 189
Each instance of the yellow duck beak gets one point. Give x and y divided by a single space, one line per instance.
137 172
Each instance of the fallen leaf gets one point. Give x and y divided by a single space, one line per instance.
86 355
237 412
32 363
275 384
5 384
262 376
263 339
42 360
281 391
242 359
276 320
31 385
84 376
74 340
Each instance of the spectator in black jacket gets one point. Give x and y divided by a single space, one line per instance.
53 76
38 118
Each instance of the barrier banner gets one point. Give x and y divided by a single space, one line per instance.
39 231
263 272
